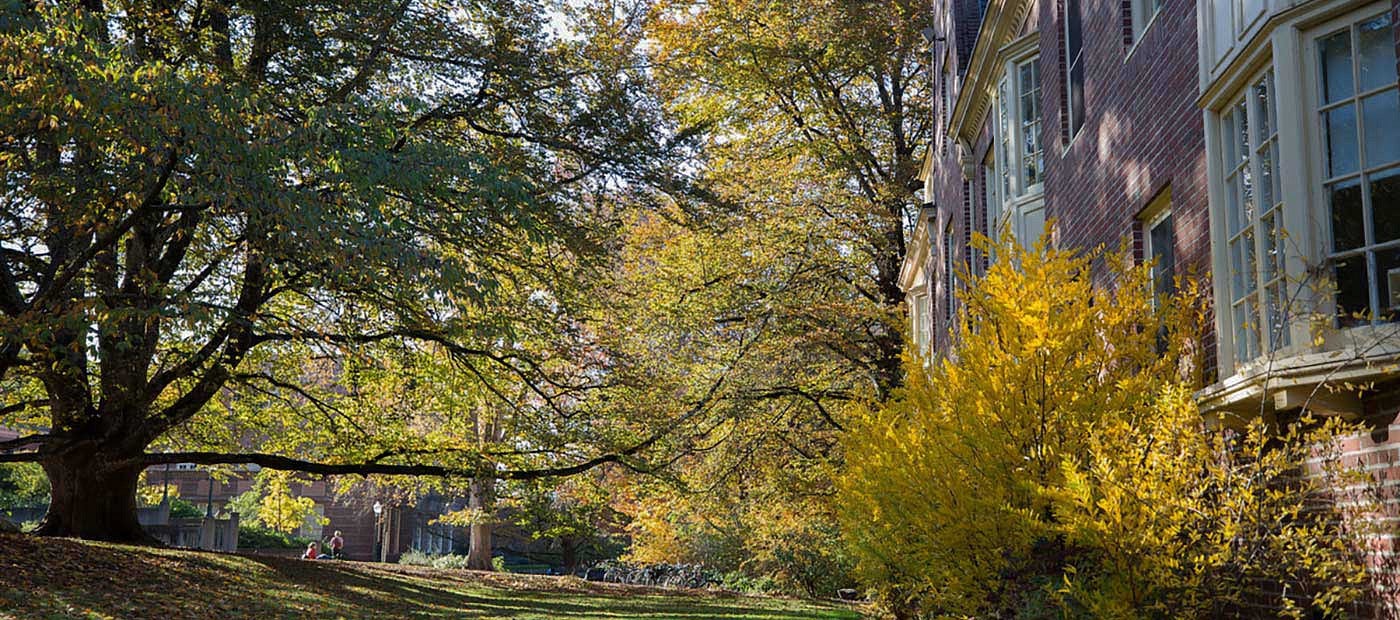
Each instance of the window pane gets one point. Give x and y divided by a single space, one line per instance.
1385 204
1164 254
1241 136
1232 199
1246 331
1386 262
1247 194
1340 126
1278 315
1273 250
1262 124
1335 66
1352 297
1266 177
1272 101
1277 183
1030 123
1376 55
1251 267
1030 77
1227 132
1242 265
1348 223
1073 40
1381 113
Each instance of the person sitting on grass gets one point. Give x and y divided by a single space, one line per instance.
313 551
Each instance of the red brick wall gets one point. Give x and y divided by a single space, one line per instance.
1142 129
352 516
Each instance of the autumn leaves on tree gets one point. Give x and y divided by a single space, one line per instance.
276 233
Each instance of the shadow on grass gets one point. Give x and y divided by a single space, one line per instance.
58 578
413 596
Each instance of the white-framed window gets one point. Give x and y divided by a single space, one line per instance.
1143 12
1254 233
1357 111
1074 67
1019 166
1020 154
922 319
1031 152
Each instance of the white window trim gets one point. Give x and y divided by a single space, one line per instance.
1021 205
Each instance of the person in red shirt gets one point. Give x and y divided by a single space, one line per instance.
313 552
336 545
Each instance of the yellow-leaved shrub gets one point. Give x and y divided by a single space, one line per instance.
1053 463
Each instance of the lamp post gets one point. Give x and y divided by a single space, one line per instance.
378 532
209 507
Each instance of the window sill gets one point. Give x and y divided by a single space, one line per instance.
1291 379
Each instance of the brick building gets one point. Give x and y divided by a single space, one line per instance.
1251 143
400 526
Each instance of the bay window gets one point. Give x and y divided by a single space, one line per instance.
1358 113
1305 179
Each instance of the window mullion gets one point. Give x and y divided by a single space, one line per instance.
1012 74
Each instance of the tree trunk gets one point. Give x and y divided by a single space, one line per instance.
479 500
92 498
568 546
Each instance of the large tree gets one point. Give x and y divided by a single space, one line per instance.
818 113
232 230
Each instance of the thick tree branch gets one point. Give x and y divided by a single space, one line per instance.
25 441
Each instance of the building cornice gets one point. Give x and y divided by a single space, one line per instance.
996 42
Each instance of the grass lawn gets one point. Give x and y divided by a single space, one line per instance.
62 578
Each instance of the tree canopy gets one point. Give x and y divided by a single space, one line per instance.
314 236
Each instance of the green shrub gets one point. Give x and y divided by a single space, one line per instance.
255 537
737 581
418 558
414 557
184 509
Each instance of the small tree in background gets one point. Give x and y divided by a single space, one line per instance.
22 485
1055 464
271 504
